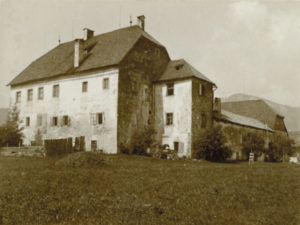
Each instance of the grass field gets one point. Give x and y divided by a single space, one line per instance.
141 190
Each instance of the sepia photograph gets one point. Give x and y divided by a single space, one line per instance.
150 112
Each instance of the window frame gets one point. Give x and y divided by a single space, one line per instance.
27 121
201 89
29 95
169 119
84 87
39 120
55 91
105 84
40 93
54 119
65 120
170 87
18 96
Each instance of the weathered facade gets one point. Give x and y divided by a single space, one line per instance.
110 87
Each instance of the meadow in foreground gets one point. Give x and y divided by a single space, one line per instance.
125 189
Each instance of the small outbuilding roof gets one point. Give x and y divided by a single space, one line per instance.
227 116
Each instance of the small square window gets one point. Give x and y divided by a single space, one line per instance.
203 121
27 121
84 86
18 96
55 91
66 121
54 121
169 118
105 83
29 94
170 89
41 93
39 120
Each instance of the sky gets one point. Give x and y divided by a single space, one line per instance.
250 47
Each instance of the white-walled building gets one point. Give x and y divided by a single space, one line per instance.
109 87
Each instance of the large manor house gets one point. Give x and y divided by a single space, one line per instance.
108 87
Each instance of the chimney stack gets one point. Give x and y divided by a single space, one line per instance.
141 21
87 34
78 52
217 107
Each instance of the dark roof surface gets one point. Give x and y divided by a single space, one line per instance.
180 69
243 120
104 50
257 109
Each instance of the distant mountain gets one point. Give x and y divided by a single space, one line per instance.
291 114
3 115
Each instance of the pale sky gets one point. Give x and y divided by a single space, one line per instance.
250 47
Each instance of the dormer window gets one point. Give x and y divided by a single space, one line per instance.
178 67
170 89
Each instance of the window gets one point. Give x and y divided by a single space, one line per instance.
203 120
55 91
27 121
97 118
41 93
100 118
84 86
169 119
105 83
66 121
94 145
29 94
170 89
54 121
201 89
176 146
18 96
39 120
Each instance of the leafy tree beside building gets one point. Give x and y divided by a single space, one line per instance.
11 132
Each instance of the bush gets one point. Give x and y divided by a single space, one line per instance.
278 148
212 146
11 132
253 142
143 140
82 159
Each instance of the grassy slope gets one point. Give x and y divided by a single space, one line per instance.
141 190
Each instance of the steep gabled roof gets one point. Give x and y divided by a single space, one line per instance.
230 117
180 69
104 50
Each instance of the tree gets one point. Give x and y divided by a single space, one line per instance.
279 147
11 132
253 142
143 140
212 146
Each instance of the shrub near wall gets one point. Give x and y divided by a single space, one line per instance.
213 146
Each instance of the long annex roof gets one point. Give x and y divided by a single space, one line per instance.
180 69
243 120
104 50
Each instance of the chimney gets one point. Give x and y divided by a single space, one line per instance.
217 107
141 21
78 52
87 34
